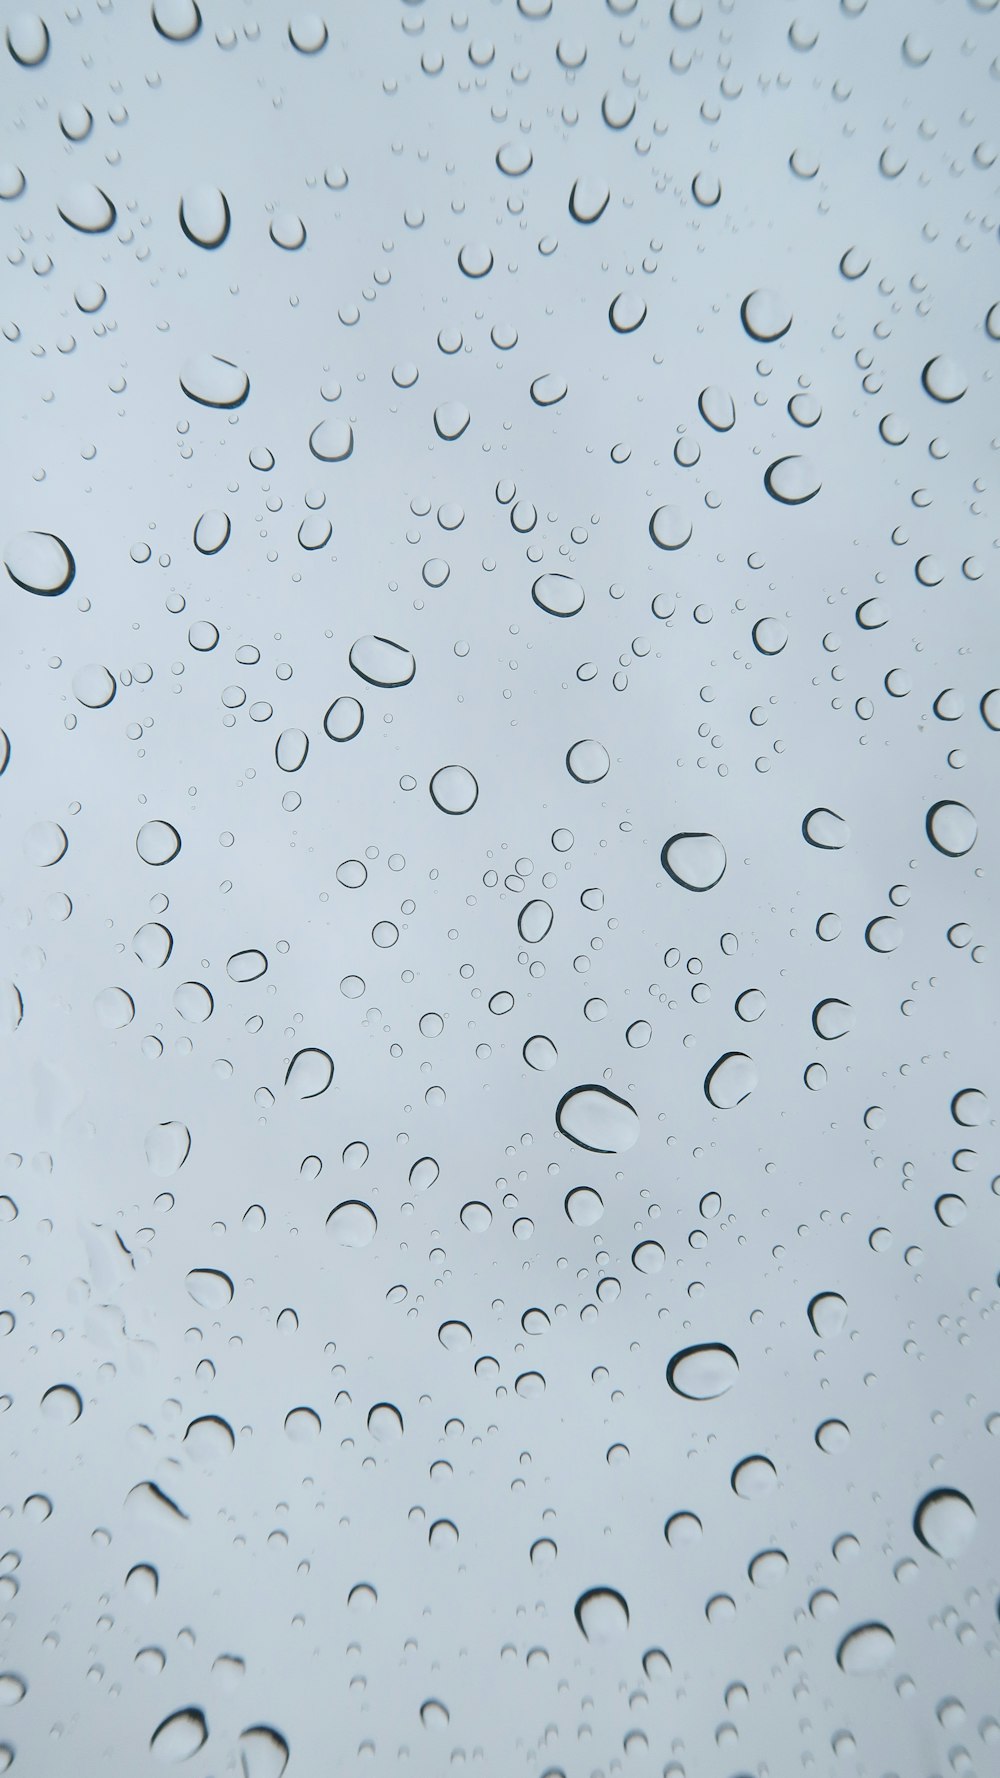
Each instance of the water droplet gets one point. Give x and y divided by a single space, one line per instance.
192 1000
832 1019
182 1735
211 533
62 1403
717 408
167 1147
114 1008
177 20
754 1478
588 762
792 480
332 441
703 1373
39 562
549 389
588 199
596 1119
627 312
540 1053
378 661
558 594
731 1080
310 1072
534 921
209 1288
765 316
454 790
308 34
385 1423
648 1257
450 420
696 861
246 966
28 39
344 719
87 208
204 215
475 260
670 527
828 1314
826 830
944 379
584 1206
867 1649
952 829
602 1614
157 842
45 843
970 1108
945 1522
214 382
209 1439
352 1224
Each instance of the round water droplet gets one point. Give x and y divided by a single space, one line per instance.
380 661
867 1649
540 1053
62 1403
945 1522
944 379
602 1614
39 562
211 533
884 934
588 762
177 20
290 749
549 389
627 312
157 842
28 39
769 635
454 790
558 594
167 1148
309 1073
87 208
792 480
828 1314
45 843
451 419
385 1423
153 944
209 1288
193 1001
534 921
952 829
765 316
670 527
832 1019
648 1257
970 1108
596 1119
344 719
588 199
204 215
93 686
717 408
182 1735
246 966
352 1224
731 1080
214 382
754 1478
703 1373
115 1008
584 1206
475 260
826 830
696 861
332 441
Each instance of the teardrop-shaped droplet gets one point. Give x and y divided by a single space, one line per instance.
39 562
597 1119
694 860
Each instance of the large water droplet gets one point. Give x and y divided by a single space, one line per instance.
731 1080
534 921
157 842
694 860
214 382
703 1373
40 562
246 966
62 1403
263 1751
87 208
211 533
602 1614
627 312
310 1072
379 661
825 830
558 594
828 1314
765 316
344 719
332 441
588 762
182 1735
167 1148
352 1224
209 1288
204 215
385 1423
454 790
952 829
944 379
945 1522
867 1649
597 1119
717 408
792 480
584 1206
28 39
588 199
450 420
670 527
